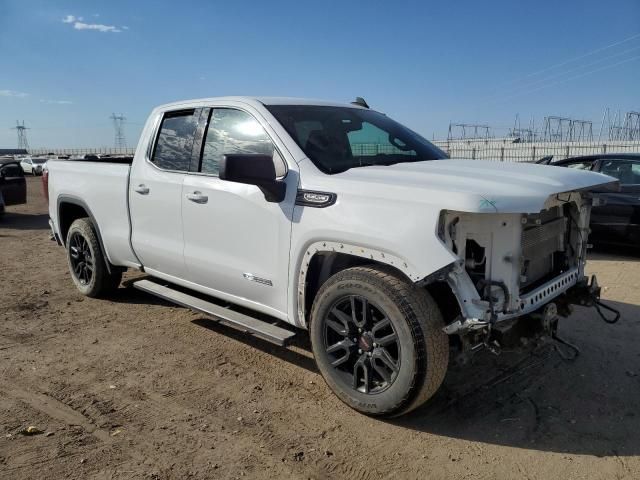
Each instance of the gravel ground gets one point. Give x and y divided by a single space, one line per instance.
132 387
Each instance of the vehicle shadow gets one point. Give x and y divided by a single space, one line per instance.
298 352
24 221
540 400
533 400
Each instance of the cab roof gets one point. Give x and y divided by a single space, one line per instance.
259 100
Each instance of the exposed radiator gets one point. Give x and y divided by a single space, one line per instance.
542 236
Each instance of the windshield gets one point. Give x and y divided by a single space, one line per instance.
39 160
339 138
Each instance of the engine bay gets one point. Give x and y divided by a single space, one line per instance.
513 263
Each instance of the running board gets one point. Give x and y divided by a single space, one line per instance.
259 328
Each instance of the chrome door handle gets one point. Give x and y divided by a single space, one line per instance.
142 189
197 197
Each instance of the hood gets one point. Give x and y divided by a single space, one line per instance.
472 185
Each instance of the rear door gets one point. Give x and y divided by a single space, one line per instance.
13 184
155 193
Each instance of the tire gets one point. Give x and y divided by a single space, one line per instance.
87 265
415 362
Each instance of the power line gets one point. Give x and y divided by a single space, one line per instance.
559 82
575 69
588 54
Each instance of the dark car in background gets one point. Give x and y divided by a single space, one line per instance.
618 221
13 186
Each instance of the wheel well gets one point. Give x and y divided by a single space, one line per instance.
68 213
446 300
448 305
325 264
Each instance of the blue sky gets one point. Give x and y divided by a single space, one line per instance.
67 65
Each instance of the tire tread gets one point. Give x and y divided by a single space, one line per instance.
425 321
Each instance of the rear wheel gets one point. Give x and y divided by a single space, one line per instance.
378 341
87 265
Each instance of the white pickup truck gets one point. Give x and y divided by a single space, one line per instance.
335 219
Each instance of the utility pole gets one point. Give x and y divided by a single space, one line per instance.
118 125
22 135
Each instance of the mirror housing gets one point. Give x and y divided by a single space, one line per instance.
254 169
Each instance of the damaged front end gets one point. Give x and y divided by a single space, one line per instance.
515 265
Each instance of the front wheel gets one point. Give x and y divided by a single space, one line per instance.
87 265
378 341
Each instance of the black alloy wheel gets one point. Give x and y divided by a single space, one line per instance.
362 344
81 259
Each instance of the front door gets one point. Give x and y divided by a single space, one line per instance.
236 244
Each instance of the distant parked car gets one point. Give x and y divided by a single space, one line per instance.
13 187
618 221
33 165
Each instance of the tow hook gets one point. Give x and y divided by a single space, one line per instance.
468 325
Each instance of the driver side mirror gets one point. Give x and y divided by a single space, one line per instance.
254 169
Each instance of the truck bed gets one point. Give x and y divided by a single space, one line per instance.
101 188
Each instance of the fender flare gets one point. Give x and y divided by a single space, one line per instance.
376 255
81 203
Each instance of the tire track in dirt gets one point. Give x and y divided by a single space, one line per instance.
54 409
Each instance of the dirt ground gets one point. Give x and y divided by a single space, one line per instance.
131 387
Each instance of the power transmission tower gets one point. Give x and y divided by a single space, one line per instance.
468 131
118 125
581 130
563 129
631 126
22 135
520 134
612 126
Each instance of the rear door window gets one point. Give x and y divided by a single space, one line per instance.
174 145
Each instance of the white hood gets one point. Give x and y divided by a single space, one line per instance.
471 185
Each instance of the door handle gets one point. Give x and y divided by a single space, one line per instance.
197 197
142 189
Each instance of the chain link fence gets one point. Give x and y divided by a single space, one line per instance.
507 151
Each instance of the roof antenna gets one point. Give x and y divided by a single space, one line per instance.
360 102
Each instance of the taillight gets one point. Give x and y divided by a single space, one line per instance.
45 183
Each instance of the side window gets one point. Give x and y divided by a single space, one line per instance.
627 171
175 141
581 165
234 132
11 171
